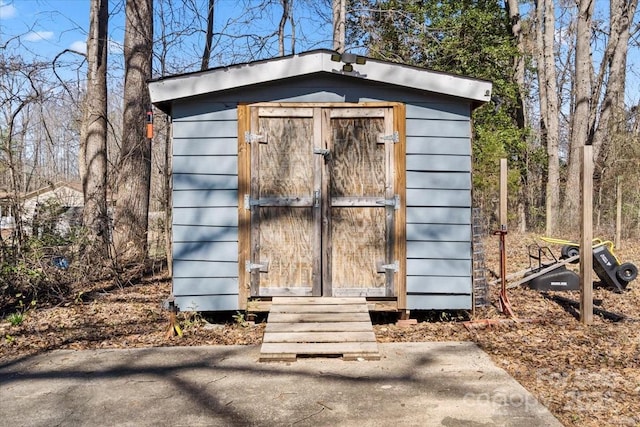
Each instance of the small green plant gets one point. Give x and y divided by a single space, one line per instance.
240 319
9 339
16 318
78 298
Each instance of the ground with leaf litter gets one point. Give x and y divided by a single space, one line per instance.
586 375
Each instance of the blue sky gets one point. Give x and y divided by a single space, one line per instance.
47 27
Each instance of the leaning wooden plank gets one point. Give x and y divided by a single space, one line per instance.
543 271
319 308
318 337
319 327
319 348
306 318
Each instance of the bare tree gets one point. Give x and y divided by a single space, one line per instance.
548 94
132 206
613 70
206 55
339 24
286 10
93 138
582 96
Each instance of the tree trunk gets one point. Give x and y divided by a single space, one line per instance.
206 55
611 119
286 4
549 108
93 139
339 23
516 28
580 117
134 173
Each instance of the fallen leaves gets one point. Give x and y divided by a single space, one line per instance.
586 375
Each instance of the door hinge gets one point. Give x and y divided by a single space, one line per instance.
395 202
249 202
383 268
263 268
254 137
394 137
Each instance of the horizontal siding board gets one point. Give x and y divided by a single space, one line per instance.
204 233
204 269
438 145
206 129
426 162
439 180
447 128
220 165
206 251
199 181
439 267
202 110
205 198
226 216
205 146
207 302
439 250
429 197
438 302
205 285
438 111
439 232
421 215
439 285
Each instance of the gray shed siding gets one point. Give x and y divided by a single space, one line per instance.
205 186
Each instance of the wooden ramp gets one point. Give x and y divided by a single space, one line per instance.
317 326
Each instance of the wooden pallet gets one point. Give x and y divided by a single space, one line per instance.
315 326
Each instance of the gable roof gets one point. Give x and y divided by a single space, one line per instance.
167 89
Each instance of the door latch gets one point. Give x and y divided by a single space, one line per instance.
323 151
316 199
263 268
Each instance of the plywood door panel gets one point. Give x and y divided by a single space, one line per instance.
286 244
282 198
358 171
358 243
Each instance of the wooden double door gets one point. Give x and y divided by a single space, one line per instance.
323 201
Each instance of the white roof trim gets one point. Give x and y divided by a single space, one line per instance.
219 79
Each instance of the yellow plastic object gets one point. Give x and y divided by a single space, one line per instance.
595 243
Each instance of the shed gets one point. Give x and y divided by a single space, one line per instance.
304 176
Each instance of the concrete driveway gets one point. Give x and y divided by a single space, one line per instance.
414 384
